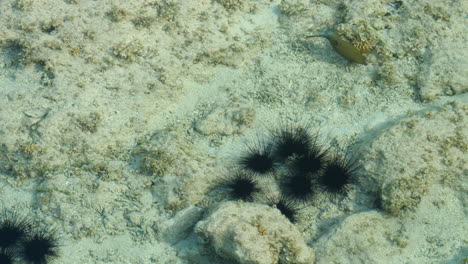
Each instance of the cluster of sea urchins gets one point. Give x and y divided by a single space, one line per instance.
301 166
21 240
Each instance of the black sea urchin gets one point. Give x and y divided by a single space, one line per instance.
292 141
287 207
258 159
338 174
313 161
241 186
298 186
13 228
39 247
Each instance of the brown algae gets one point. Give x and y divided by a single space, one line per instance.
344 47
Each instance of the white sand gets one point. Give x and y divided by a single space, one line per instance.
117 114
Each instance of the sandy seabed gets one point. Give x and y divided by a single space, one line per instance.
116 118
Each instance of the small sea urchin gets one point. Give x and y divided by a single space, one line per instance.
241 186
287 207
338 174
259 160
311 162
292 141
298 186
39 247
13 228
